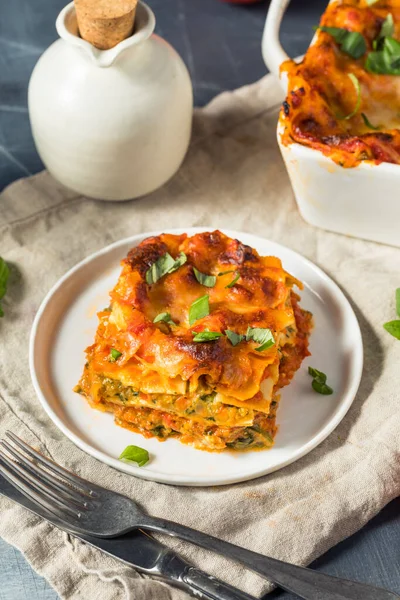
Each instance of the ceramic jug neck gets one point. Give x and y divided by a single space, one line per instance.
67 28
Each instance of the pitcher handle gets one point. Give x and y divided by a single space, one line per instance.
272 51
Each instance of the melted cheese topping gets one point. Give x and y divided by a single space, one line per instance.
160 367
320 92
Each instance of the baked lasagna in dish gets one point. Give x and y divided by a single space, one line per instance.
344 97
200 336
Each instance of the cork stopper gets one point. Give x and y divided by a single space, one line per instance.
105 23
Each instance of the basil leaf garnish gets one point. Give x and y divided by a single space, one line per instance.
321 387
387 29
385 61
398 301
261 336
226 272
368 122
350 42
235 279
200 308
114 355
135 454
234 338
357 87
4 275
317 374
393 327
206 336
319 382
164 265
164 316
207 280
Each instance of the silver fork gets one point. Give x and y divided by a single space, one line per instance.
86 508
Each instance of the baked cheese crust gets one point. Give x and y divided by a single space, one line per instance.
159 381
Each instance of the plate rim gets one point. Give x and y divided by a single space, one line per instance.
192 481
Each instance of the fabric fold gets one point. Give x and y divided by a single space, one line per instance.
233 178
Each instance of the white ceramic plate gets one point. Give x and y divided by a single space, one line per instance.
66 324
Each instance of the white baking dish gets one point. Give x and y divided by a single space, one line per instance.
363 201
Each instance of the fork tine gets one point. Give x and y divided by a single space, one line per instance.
24 475
66 490
27 491
78 482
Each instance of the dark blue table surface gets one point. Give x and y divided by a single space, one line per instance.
220 44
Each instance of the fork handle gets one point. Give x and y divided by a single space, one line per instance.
306 583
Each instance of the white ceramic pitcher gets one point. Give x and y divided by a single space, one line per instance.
111 124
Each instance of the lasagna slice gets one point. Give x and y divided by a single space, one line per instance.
200 335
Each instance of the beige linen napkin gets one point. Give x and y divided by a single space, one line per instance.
233 177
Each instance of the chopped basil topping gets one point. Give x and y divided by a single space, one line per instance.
4 275
261 336
350 42
165 317
387 29
234 280
135 454
357 87
164 265
207 280
114 355
319 382
200 308
386 59
368 122
234 338
206 336
226 272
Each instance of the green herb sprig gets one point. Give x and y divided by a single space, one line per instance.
114 355
357 87
319 382
350 42
206 336
234 338
393 327
199 309
387 29
261 336
206 280
164 265
164 317
385 59
4 275
234 280
368 122
135 454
